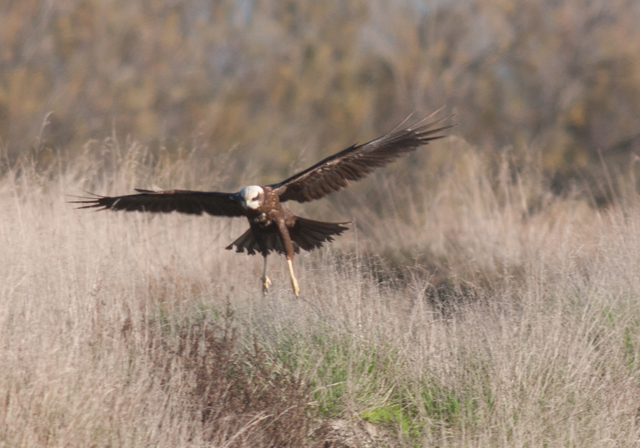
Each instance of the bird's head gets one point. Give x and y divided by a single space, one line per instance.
252 197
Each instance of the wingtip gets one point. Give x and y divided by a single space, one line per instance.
421 123
430 116
86 202
402 123
424 124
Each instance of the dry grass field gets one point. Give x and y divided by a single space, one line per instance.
487 295
468 307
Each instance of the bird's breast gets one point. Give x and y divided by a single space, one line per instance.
263 219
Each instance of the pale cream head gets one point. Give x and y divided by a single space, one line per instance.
252 196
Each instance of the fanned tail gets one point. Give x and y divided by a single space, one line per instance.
306 234
248 242
309 234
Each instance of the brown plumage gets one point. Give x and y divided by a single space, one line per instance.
273 227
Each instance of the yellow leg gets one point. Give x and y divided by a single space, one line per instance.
266 282
294 282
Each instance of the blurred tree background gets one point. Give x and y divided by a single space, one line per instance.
558 77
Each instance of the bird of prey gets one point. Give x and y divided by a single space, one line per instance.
273 227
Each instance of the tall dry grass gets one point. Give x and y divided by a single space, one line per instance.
473 308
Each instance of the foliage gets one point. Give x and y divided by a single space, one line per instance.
561 78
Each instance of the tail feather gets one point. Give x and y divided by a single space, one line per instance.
246 241
309 234
306 234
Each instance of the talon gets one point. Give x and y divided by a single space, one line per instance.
266 282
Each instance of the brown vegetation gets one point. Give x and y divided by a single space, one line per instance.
240 396
479 313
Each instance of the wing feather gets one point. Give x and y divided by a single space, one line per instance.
337 171
166 201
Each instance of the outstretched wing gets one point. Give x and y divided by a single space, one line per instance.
165 201
337 171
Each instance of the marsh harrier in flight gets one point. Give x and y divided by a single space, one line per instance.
272 226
